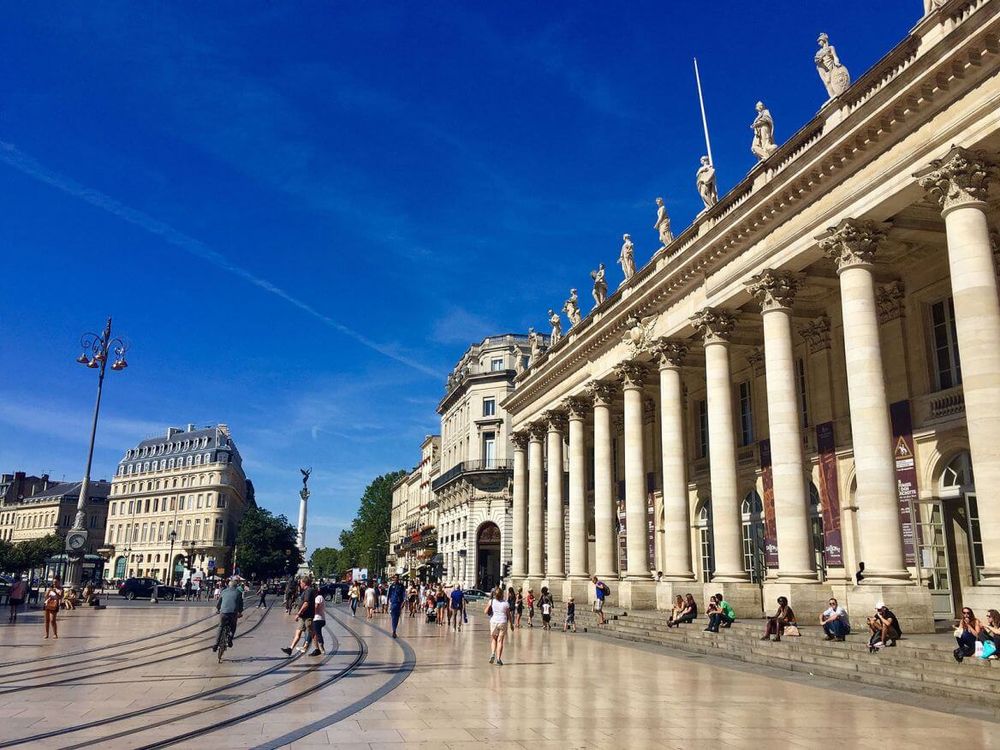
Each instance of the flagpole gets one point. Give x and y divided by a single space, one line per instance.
704 120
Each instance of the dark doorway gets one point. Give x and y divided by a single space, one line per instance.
488 556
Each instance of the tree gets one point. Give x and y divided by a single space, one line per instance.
324 562
266 545
365 544
32 553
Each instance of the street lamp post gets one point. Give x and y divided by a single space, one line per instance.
96 351
170 561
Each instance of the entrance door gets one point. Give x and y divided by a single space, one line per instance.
488 556
932 548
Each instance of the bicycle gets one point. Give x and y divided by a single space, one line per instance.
227 627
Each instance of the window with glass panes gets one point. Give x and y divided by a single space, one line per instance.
800 384
489 407
746 414
705 542
947 368
701 411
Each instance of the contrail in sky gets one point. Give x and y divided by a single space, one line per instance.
16 158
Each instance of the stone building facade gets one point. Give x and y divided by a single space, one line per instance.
413 526
800 393
187 481
14 488
51 509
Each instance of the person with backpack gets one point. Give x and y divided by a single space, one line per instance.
545 604
601 591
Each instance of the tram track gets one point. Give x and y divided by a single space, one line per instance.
126 667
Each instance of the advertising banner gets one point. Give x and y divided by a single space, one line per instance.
622 540
906 473
829 495
770 525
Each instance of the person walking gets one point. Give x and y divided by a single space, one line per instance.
396 598
370 602
570 616
291 590
187 588
354 593
518 609
318 623
457 607
262 594
304 617
440 605
498 611
530 601
18 593
545 604
50 604
600 592
512 603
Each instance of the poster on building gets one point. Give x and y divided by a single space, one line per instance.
906 473
622 540
829 495
770 525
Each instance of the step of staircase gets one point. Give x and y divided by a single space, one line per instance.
921 664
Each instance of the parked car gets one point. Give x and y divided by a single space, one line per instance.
475 594
142 588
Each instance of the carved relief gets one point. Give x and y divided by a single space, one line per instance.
632 374
816 334
639 336
889 301
519 439
670 352
853 242
576 407
962 176
555 421
602 392
755 358
715 325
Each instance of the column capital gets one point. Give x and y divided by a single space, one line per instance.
519 439
555 420
536 432
960 178
889 301
816 334
576 407
602 392
631 373
714 324
853 242
774 289
670 353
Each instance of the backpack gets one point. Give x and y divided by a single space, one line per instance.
605 588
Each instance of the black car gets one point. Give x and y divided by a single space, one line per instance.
142 588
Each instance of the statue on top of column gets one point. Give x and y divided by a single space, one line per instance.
705 180
556 322
662 224
600 285
572 309
763 133
831 71
627 258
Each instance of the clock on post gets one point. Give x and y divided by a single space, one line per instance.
76 539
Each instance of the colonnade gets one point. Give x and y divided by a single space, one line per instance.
959 182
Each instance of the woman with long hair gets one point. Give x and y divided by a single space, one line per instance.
966 634
53 596
498 611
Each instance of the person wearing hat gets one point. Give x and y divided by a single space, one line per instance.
884 627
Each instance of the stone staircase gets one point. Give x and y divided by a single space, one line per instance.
921 663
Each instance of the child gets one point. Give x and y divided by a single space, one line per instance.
570 615
545 603
530 601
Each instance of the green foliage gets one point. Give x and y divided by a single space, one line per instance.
32 553
323 562
364 545
266 545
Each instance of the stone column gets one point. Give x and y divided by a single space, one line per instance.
578 568
556 427
519 548
676 513
716 326
606 561
960 182
632 375
776 291
536 505
853 244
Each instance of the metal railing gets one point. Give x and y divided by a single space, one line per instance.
469 467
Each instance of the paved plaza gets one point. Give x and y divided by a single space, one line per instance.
142 676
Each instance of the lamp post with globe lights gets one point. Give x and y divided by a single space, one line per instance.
97 350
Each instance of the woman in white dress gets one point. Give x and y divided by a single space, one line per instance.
370 601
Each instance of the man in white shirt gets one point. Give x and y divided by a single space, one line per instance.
834 621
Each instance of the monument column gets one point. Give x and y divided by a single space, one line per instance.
853 244
519 550
606 560
960 182
716 326
776 291
555 569
676 513
536 505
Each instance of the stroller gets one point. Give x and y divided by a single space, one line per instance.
431 614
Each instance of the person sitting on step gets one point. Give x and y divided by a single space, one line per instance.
834 621
884 628
782 618
967 634
990 634
687 614
720 613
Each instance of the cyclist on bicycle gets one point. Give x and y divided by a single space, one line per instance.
230 608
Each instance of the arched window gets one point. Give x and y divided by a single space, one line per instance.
752 510
957 481
705 541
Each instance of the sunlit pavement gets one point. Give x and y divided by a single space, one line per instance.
141 675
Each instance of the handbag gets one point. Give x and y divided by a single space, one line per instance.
51 603
792 630
989 649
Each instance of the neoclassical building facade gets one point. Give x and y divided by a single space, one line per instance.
800 393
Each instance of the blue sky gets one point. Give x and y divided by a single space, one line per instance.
301 213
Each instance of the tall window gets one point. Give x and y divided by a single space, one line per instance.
489 407
496 364
701 410
705 541
746 414
752 511
947 367
489 450
800 384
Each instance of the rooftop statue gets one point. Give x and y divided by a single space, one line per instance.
932 5
831 71
535 342
518 360
662 224
763 133
556 323
627 258
705 179
600 285
572 309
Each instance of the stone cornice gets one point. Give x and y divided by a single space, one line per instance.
918 79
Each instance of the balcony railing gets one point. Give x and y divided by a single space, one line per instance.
472 467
